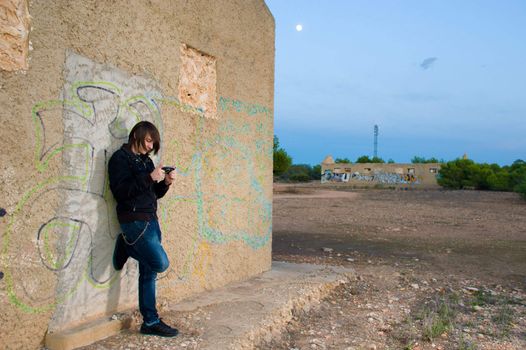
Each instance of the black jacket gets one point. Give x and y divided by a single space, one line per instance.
132 186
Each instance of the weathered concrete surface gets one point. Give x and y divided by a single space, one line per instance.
239 315
242 314
86 334
14 34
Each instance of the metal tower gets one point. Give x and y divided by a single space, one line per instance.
376 141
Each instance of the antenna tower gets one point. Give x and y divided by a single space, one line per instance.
376 141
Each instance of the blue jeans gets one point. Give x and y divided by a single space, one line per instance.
143 243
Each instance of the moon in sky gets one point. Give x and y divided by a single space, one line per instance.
299 27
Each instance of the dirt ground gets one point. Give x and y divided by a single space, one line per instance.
435 269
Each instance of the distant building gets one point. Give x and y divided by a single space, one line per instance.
419 174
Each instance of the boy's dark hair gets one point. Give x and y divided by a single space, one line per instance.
139 132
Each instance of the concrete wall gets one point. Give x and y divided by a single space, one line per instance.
202 71
370 174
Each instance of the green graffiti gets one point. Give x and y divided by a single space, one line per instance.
252 154
13 298
250 109
58 261
52 258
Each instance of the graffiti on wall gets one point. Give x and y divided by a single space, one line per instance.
380 177
230 204
70 245
327 176
227 104
64 226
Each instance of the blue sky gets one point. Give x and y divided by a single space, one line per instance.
439 78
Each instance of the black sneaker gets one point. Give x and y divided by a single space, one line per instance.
160 328
120 254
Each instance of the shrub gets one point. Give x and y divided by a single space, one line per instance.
282 161
457 174
315 173
464 173
521 189
299 178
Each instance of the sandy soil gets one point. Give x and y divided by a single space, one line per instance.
436 269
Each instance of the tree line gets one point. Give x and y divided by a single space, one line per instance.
455 174
466 174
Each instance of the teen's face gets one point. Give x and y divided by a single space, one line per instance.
147 146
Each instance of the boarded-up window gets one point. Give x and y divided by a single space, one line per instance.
14 34
433 170
197 81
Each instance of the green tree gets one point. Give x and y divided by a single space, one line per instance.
276 143
366 159
282 161
521 189
302 177
363 159
342 160
316 172
480 175
377 160
298 173
464 173
417 159
456 174
391 161
517 173
499 181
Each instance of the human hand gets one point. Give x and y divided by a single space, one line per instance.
170 175
158 174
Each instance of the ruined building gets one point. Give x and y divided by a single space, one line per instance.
386 174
